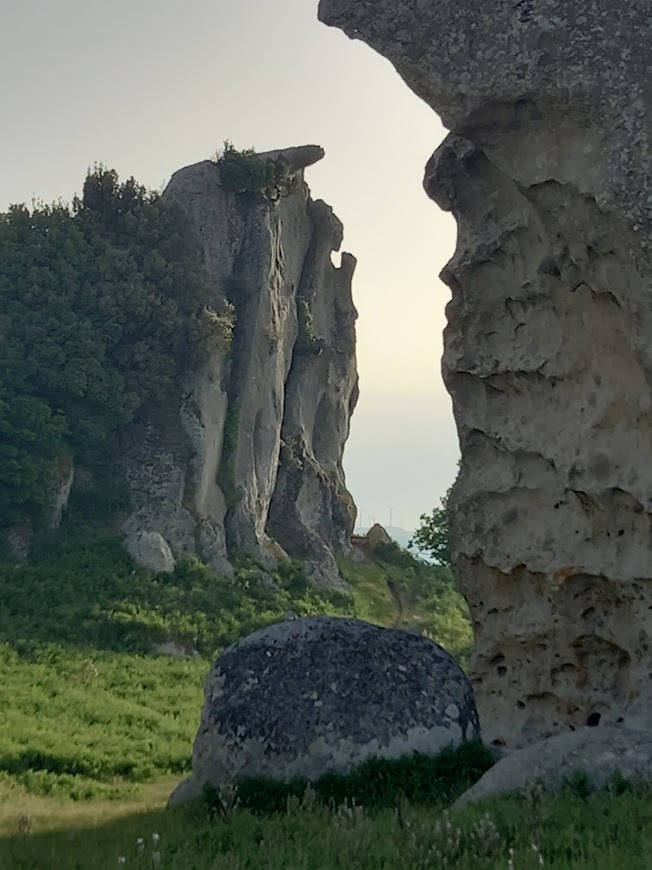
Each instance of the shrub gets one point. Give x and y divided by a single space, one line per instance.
242 171
101 310
307 341
217 327
376 784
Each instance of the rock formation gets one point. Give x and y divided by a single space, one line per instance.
547 351
251 460
319 695
599 753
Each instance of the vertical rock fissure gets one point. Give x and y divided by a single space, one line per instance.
312 513
204 472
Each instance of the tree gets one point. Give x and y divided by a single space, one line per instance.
102 309
242 171
432 536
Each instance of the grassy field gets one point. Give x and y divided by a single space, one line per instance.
89 710
97 729
569 832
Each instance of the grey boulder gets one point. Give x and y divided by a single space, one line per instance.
316 695
150 549
597 752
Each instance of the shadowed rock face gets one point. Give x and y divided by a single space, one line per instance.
251 461
547 352
320 695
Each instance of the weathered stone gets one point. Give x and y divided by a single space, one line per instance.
295 159
309 696
151 550
312 514
547 353
205 475
357 552
264 581
377 535
597 752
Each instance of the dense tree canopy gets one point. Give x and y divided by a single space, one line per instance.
100 308
432 535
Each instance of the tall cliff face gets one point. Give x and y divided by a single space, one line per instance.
547 352
251 460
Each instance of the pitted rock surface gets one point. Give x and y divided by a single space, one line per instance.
547 354
315 695
598 752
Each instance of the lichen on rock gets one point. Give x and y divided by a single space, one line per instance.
547 354
319 695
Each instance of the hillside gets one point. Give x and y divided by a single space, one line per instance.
402 537
91 713
93 708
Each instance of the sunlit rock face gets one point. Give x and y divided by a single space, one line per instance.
548 356
250 462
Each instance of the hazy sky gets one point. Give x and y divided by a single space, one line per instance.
149 86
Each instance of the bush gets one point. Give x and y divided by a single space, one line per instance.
101 310
376 784
242 171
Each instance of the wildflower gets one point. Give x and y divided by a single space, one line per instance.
140 842
156 839
156 859
122 860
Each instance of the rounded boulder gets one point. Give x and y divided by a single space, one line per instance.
321 695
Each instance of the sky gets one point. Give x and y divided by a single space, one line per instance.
149 86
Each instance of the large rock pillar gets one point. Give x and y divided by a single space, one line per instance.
548 356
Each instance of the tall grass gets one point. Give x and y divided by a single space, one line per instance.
603 831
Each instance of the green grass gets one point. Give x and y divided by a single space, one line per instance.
97 729
89 710
87 724
429 602
601 832
377 783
